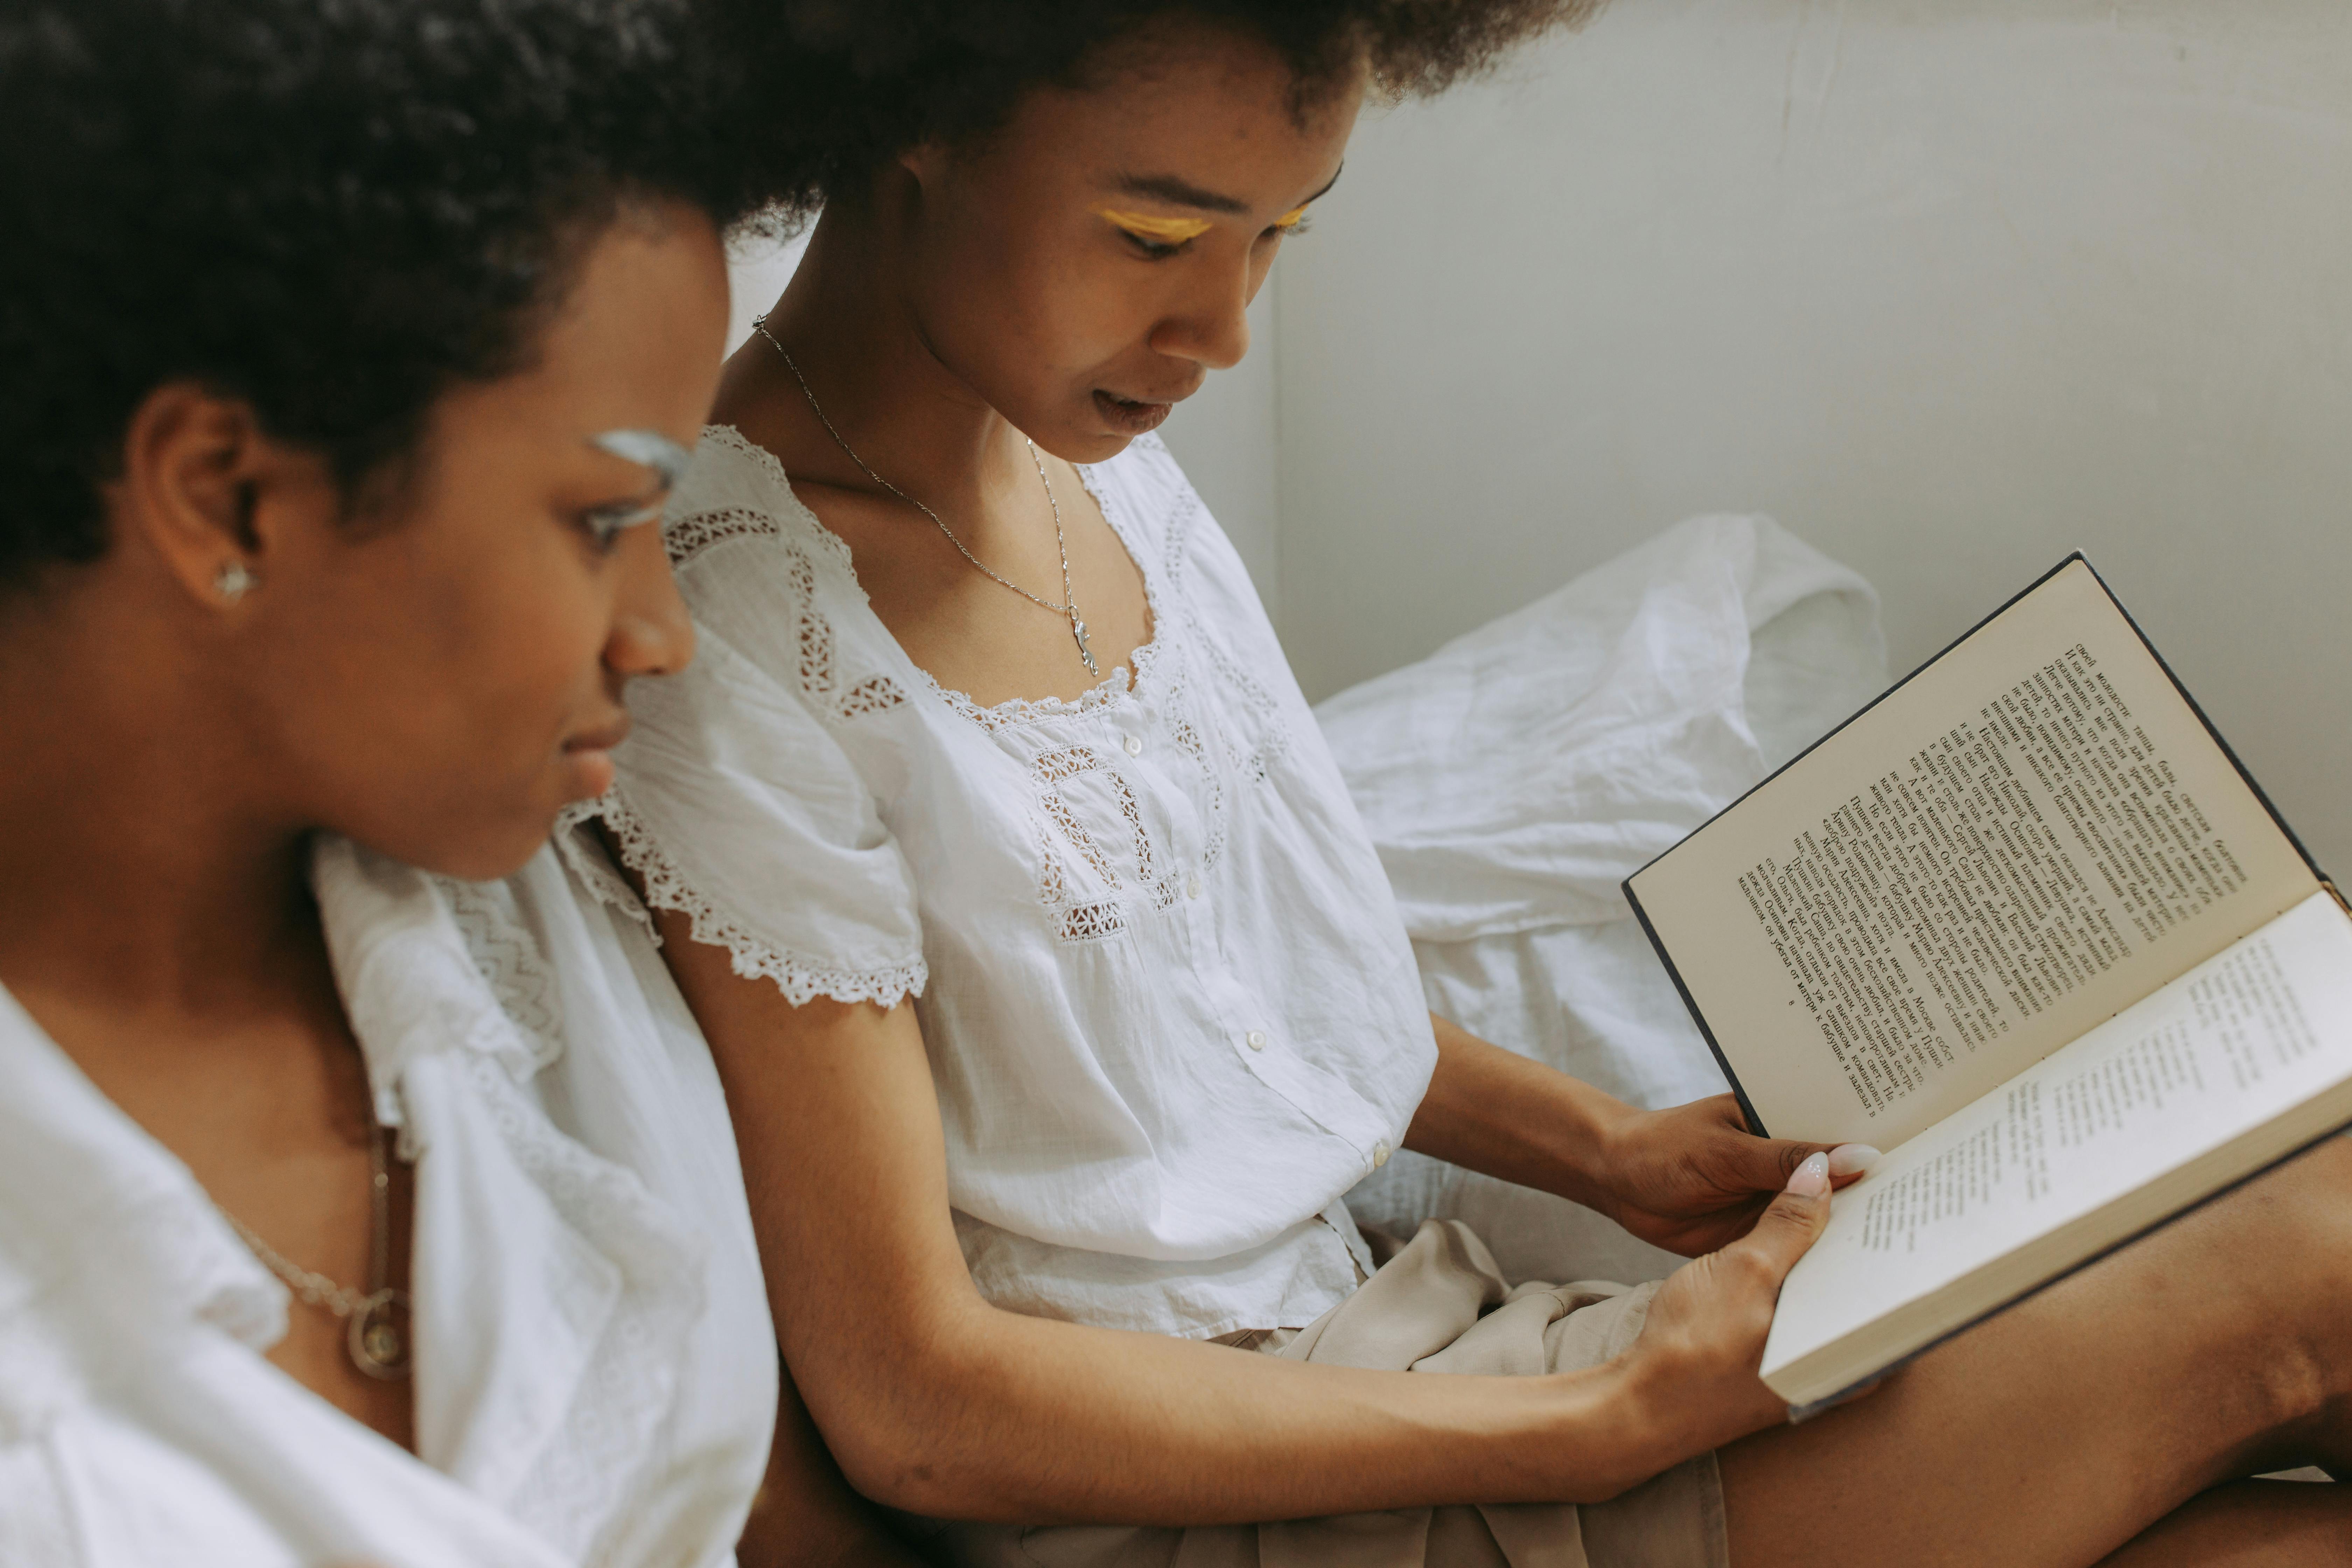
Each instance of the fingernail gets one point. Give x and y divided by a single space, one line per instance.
1854 1159
1812 1177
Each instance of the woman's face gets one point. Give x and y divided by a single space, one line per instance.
439 682
1087 267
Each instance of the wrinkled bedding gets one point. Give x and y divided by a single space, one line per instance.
1512 779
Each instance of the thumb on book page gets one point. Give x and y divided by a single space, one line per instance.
1794 1220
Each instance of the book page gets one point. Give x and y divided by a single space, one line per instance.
2249 1034
2030 834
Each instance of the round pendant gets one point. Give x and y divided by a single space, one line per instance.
378 1336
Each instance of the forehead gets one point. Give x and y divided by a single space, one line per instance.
634 344
1220 109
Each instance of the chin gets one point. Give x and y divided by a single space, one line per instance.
478 849
485 857
1079 443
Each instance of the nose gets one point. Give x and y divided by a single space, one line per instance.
652 633
1211 325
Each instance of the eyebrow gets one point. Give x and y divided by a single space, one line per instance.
1182 192
647 450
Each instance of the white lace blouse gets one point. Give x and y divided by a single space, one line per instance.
594 1367
1171 1010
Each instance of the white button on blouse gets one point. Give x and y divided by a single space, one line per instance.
846 827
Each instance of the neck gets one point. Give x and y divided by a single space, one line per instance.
848 322
135 876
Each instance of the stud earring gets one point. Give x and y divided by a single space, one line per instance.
234 581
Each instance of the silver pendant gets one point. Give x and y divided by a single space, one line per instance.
377 1336
1078 630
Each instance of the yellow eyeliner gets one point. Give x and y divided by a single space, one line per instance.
1292 219
1159 230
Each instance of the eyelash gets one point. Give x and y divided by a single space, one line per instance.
605 525
1160 250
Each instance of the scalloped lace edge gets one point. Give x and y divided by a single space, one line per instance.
588 863
800 980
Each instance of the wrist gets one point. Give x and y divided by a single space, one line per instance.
1611 1432
1595 1129
1652 1408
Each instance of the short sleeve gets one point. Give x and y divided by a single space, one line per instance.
740 808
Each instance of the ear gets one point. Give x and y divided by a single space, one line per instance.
210 495
927 162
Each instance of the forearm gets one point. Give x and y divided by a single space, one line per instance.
1491 1111
1008 1418
937 1402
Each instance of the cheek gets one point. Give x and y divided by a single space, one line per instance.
525 644
1029 324
472 671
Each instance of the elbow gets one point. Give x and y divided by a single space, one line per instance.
889 1476
910 1432
925 1472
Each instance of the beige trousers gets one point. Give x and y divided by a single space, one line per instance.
1439 1304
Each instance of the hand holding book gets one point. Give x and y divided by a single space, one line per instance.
1692 1373
2026 924
1693 1178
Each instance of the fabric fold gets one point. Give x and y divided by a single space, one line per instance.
597 1281
1516 777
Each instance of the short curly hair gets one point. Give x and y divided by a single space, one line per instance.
334 210
839 86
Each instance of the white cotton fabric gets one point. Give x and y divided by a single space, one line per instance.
595 1371
1171 1007
1516 777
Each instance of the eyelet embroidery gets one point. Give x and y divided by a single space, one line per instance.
1273 738
689 537
686 537
1100 918
1213 809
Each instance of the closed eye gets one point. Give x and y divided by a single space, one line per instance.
1154 236
605 525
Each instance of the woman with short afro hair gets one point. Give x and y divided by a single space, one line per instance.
1058 992
366 1196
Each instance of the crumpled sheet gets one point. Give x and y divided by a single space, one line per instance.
1515 778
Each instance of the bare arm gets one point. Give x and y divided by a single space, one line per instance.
805 1515
1691 1178
937 1402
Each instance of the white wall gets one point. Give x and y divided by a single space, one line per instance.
1949 287
1228 436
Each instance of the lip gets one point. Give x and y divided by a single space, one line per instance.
603 738
1127 416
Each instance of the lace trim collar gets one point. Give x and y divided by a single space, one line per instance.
1121 685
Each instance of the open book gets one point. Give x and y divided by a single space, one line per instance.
2026 925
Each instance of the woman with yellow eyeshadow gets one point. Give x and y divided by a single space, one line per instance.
1174 231
1059 994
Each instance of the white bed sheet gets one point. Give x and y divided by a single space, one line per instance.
1516 777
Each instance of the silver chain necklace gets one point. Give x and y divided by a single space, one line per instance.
1067 609
375 1323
